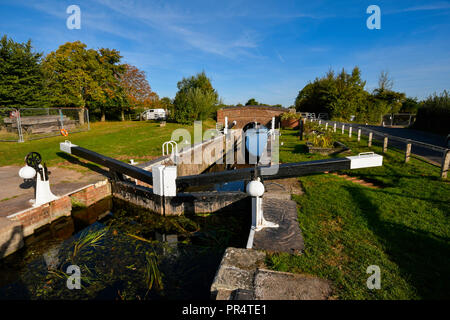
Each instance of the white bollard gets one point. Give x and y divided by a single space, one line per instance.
334 127
326 126
343 129
359 134
350 132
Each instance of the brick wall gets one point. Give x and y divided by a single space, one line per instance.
93 193
244 115
34 218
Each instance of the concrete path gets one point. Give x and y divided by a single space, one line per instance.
15 193
242 275
279 208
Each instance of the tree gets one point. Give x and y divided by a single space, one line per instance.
340 95
410 105
108 76
252 102
138 92
441 100
385 82
196 99
434 113
21 81
392 100
80 77
167 104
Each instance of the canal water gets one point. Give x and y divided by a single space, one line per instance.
123 252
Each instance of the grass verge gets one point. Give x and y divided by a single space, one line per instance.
403 227
139 140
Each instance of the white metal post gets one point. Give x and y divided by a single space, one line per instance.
225 128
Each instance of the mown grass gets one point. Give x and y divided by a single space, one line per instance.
403 227
126 140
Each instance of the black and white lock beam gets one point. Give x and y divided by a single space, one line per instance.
112 164
285 170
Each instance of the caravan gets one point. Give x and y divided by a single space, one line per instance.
154 114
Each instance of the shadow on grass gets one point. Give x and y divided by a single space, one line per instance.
88 165
423 257
300 148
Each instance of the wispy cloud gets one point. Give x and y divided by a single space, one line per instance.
169 20
427 7
279 56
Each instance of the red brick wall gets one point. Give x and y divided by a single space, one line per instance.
93 194
244 115
36 217
42 215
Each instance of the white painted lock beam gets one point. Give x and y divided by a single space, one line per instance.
365 160
66 146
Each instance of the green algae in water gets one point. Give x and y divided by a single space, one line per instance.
133 255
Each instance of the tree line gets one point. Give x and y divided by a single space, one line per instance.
343 96
72 76
75 76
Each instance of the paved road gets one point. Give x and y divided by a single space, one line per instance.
433 154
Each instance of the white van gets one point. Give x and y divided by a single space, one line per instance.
154 114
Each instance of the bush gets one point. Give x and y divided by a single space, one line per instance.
434 115
320 139
290 115
433 119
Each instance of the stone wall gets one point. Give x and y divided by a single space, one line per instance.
195 202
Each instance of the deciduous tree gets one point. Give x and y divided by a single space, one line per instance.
196 99
80 77
137 89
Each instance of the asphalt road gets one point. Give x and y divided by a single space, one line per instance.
434 152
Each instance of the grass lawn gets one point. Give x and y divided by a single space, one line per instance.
139 140
403 227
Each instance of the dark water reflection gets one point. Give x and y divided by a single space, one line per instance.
123 252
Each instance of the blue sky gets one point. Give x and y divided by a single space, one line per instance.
267 50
